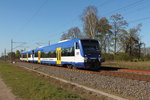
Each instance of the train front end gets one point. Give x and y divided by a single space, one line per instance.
91 53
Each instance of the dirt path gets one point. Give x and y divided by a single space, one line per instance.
5 93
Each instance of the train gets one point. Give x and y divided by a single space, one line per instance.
76 53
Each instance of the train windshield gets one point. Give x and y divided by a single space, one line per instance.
90 47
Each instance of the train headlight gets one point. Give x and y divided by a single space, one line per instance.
99 58
85 59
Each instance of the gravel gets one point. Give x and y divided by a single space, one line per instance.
124 87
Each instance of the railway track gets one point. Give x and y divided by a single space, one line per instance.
128 74
140 75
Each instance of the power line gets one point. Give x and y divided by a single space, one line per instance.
34 15
12 47
137 10
103 3
127 6
146 18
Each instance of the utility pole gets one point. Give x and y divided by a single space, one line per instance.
11 51
5 54
12 42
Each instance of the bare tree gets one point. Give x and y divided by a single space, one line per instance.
64 36
132 43
72 34
90 21
104 32
118 26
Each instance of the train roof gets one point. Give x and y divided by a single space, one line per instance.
23 53
64 44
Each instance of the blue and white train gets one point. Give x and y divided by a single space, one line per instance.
77 53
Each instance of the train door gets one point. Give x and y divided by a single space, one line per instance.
27 57
58 55
39 56
33 55
77 53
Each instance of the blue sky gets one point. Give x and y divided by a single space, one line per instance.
40 21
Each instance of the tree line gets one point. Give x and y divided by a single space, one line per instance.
116 39
11 56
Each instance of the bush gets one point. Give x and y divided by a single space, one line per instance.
125 57
108 56
122 56
146 57
118 56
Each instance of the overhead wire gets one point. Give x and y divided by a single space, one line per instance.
103 3
136 10
100 5
136 20
125 7
34 15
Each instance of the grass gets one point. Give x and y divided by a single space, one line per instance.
31 87
145 65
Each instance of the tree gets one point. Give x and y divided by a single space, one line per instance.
132 43
104 32
118 26
72 34
64 36
17 54
11 56
90 21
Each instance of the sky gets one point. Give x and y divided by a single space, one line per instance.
36 22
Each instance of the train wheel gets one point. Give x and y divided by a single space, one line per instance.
69 66
74 67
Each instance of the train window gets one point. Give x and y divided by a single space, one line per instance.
43 55
68 51
36 54
77 45
51 54
72 51
64 52
90 46
24 56
29 55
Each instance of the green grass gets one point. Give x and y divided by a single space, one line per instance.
31 87
145 65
